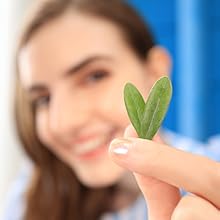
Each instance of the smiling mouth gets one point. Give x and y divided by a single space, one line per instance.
93 148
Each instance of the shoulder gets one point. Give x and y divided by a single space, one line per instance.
210 148
15 202
180 141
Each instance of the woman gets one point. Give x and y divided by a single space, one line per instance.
73 60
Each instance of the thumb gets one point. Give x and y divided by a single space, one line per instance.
161 197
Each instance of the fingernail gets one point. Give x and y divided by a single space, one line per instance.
120 146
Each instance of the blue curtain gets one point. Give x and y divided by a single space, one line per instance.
190 30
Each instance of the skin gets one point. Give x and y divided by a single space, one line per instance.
75 78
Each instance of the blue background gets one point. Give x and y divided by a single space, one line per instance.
190 30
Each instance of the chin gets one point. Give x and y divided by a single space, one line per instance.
98 183
99 180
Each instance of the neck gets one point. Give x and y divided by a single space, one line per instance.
127 192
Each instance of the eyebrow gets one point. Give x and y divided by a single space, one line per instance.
76 68
71 71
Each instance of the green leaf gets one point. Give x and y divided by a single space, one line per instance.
147 118
135 104
156 107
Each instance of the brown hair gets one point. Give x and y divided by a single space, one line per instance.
55 192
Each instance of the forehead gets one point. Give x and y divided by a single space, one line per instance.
68 39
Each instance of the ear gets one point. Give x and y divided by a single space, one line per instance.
158 62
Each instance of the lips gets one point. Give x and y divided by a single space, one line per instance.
89 146
92 147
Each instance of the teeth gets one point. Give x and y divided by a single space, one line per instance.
88 146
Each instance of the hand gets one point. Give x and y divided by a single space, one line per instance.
160 170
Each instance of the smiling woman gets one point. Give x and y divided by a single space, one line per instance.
73 59
74 99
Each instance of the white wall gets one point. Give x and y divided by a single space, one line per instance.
10 153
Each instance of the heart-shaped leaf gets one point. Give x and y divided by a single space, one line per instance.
147 118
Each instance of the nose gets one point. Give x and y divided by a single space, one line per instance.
67 115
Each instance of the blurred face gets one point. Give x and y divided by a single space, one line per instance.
74 69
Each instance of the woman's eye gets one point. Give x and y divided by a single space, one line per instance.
97 76
41 101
